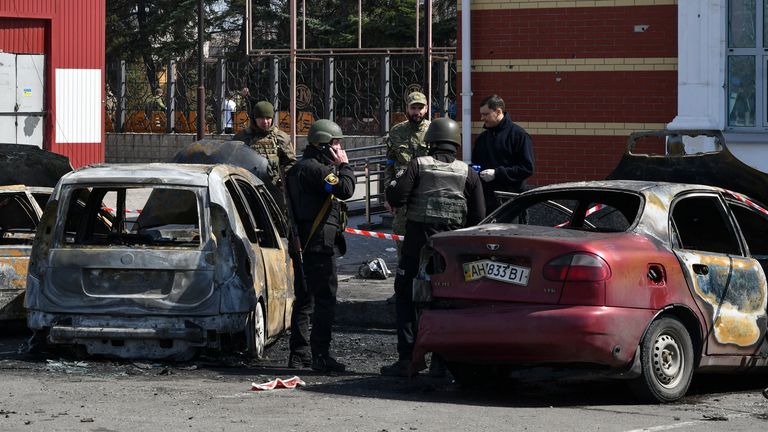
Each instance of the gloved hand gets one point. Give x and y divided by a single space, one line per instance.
488 175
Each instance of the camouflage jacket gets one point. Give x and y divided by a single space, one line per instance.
273 144
404 142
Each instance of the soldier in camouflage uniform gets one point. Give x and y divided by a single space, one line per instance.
405 142
268 140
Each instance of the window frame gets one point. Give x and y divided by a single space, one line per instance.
760 56
725 215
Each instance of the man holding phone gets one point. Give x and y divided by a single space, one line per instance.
317 186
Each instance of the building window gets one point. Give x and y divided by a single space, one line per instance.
747 64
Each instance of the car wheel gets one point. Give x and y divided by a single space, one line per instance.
255 333
666 360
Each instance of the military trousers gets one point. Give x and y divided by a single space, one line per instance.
405 309
318 302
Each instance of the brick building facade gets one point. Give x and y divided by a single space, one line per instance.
579 76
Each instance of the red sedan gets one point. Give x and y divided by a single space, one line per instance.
646 280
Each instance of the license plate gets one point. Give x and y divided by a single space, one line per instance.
497 271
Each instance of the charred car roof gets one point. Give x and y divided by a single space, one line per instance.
717 168
168 173
31 166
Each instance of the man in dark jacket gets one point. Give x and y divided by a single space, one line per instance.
316 185
441 194
504 152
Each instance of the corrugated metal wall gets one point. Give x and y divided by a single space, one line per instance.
22 36
71 34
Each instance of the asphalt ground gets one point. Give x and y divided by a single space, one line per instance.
363 302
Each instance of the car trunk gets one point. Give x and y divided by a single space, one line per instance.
509 248
131 250
130 281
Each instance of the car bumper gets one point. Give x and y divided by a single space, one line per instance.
154 337
534 334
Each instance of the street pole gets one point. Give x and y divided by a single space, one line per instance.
417 23
303 24
359 24
201 82
293 75
428 55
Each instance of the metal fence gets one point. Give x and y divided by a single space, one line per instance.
364 93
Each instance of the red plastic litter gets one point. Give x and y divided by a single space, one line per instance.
279 383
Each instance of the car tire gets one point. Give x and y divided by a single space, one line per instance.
255 333
666 361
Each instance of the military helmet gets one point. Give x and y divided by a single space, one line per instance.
443 131
323 131
263 109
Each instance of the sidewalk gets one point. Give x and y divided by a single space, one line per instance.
363 302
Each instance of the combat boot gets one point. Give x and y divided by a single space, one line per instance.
299 361
326 363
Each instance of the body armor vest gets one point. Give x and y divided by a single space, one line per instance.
439 196
267 145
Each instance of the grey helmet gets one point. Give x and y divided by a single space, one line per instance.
323 131
443 133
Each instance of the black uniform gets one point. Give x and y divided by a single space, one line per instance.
311 182
416 236
508 149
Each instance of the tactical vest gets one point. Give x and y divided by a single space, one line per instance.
439 196
267 146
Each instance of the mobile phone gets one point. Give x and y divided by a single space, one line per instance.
326 150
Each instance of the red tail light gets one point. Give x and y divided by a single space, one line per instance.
577 267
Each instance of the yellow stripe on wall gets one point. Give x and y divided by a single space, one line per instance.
544 4
575 65
577 128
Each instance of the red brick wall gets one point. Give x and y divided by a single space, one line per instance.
574 32
627 97
630 99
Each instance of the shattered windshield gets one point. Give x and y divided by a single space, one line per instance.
18 219
133 216
580 209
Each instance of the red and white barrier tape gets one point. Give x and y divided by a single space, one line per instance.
375 234
111 210
594 208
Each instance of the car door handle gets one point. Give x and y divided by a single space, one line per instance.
701 269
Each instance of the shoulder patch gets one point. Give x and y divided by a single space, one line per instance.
400 173
332 179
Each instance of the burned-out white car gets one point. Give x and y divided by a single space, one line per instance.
159 260
27 177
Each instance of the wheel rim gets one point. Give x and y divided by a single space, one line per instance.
668 360
256 332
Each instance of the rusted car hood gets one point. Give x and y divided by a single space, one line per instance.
31 166
719 168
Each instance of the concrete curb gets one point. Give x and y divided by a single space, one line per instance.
363 302
365 313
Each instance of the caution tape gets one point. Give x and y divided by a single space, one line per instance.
111 210
375 234
349 230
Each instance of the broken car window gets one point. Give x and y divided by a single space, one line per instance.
133 216
700 224
754 227
264 230
242 212
590 210
17 219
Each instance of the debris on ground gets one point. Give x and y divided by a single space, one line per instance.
374 269
279 383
